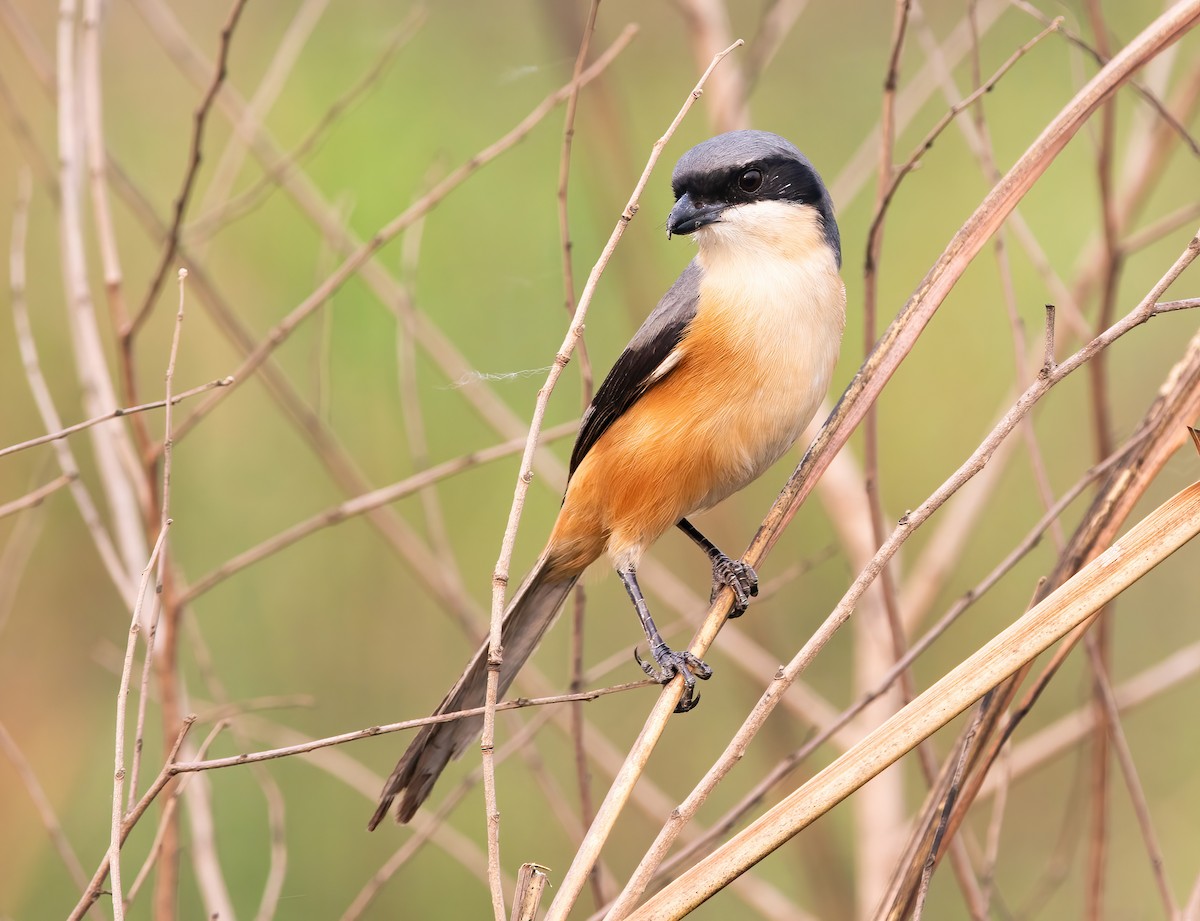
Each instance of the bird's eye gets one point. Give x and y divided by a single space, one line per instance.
750 181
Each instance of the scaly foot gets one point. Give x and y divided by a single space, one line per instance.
739 577
670 664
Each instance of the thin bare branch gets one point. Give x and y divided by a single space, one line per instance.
361 504
200 123
116 837
879 814
1137 795
282 62
164 510
564 179
183 767
587 386
1068 731
960 767
927 142
115 414
1163 112
1189 303
94 888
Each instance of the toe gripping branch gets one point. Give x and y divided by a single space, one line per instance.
667 663
740 578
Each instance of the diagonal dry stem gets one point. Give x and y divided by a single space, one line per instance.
1151 541
401 222
1161 433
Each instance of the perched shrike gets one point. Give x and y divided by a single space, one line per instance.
717 384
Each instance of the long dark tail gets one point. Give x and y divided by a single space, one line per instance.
532 611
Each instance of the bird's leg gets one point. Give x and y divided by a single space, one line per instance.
670 663
740 578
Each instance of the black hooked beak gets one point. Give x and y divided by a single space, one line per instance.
687 216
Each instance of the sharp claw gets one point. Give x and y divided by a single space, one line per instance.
686 703
668 664
647 667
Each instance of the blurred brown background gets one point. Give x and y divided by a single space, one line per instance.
345 624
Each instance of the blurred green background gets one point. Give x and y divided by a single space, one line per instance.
342 622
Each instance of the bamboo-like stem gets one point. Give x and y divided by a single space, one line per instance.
1150 542
91 96
44 401
110 442
531 883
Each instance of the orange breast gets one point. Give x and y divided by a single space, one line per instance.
756 361
686 444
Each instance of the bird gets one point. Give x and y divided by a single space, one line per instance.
714 387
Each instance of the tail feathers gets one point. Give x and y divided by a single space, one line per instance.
532 611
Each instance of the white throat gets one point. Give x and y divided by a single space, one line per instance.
772 289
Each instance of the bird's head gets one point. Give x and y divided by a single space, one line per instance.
751 189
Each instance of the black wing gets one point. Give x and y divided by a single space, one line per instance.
633 373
